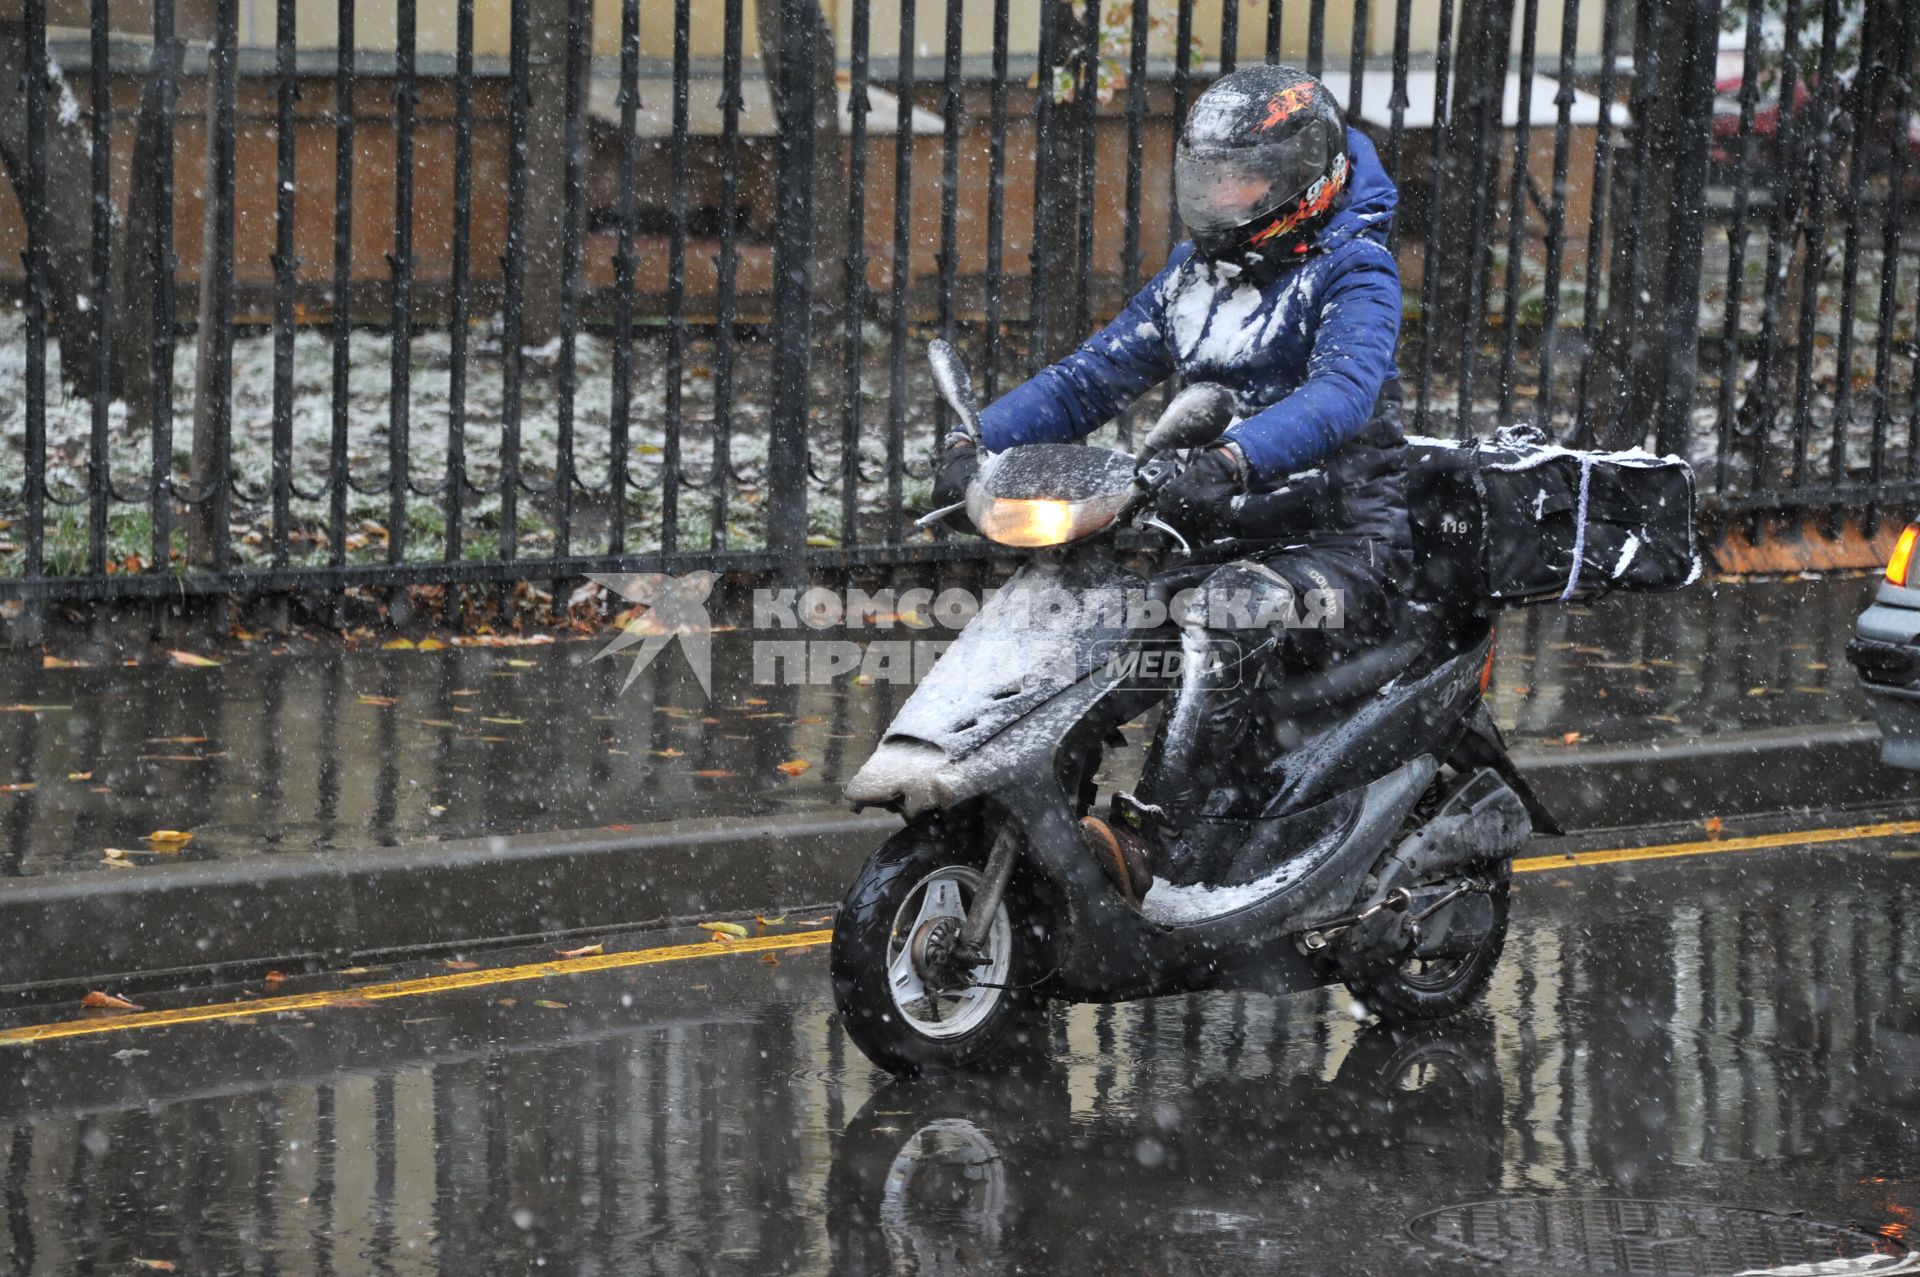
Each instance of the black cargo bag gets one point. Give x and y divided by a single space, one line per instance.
1515 520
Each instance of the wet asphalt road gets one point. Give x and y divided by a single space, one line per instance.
1735 1029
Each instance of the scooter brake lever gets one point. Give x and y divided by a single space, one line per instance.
932 517
1155 521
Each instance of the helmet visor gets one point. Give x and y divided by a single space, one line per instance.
1219 190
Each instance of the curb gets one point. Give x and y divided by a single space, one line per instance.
164 922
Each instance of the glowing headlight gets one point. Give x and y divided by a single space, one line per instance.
1033 523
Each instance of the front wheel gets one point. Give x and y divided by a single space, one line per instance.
905 1007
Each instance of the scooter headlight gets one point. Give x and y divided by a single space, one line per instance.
1034 522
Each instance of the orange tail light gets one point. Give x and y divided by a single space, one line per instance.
1486 670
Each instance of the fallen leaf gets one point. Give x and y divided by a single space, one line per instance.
771 960
520 664
97 1000
667 753
169 837
809 720
1712 825
79 775
793 766
732 930
435 722
455 964
715 773
504 722
52 662
506 1002
550 1004
354 971
193 659
397 645
1570 738
177 740
429 645
756 700
769 922
115 853
378 700
31 709
275 979
821 921
584 951
19 787
156 1265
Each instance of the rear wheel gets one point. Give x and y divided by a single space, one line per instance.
906 1000
1434 988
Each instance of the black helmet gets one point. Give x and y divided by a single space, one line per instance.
1260 164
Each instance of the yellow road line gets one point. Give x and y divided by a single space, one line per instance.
485 978
1710 847
410 988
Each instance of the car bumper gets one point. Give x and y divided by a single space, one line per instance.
1885 651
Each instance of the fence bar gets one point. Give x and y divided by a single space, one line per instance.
902 261
1596 223
1182 85
166 70
1737 259
343 127
215 411
620 410
459 300
800 26
1647 56
35 478
1866 88
575 141
406 92
1089 104
1437 166
1316 37
1275 15
99 476
1357 62
996 194
514 267
1682 270
1038 267
729 265
950 104
1130 253
1784 180
1557 213
1902 83
1229 36
1820 142
855 273
1517 205
285 267
1397 104
1486 113
671 476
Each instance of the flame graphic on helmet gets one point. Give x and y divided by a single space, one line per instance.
1285 103
1317 200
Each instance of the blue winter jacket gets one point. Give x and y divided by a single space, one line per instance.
1306 356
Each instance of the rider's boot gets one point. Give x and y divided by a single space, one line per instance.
1123 845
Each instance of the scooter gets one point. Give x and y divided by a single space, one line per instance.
1378 853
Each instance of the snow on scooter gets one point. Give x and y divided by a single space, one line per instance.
1380 853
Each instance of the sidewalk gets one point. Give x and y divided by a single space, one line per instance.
341 801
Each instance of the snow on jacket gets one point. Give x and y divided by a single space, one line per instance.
1307 357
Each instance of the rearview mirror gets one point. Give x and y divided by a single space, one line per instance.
1196 416
956 387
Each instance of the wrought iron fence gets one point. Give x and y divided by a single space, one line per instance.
665 306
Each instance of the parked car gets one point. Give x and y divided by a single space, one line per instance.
1886 652
1885 137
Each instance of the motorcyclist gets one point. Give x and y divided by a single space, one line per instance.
1288 296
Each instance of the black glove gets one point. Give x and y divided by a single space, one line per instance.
953 471
1199 499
